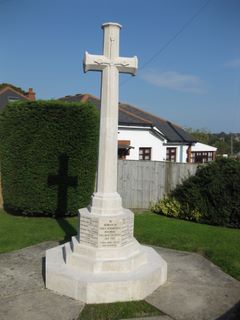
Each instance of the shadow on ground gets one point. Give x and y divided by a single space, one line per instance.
44 270
231 314
67 228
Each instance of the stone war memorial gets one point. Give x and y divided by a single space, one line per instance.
104 262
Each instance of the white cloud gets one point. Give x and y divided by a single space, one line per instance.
235 63
174 81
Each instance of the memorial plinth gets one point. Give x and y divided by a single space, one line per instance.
104 262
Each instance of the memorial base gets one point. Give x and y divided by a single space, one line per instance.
91 287
104 263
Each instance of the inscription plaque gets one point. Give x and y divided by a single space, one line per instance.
110 233
105 231
88 231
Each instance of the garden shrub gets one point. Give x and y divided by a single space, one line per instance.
214 191
48 156
170 207
167 206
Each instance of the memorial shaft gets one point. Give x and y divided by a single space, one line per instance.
109 114
110 64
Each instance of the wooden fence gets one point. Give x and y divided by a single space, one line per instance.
140 182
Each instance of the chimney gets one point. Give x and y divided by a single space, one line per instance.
85 98
31 94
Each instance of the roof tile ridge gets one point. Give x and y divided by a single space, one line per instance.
174 124
91 96
72 96
84 97
120 108
15 91
179 134
152 115
135 116
4 89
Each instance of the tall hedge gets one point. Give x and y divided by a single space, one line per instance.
48 156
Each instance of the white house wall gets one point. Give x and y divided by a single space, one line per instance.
201 147
181 152
140 138
145 138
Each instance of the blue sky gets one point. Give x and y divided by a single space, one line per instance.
188 51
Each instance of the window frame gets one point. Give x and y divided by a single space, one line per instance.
204 156
12 99
145 153
170 154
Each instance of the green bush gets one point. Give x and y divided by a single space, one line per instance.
48 156
214 191
167 206
170 207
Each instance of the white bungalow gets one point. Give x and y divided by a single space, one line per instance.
143 136
202 153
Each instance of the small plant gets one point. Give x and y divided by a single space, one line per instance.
170 207
190 214
167 206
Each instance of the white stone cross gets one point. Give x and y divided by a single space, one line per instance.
105 257
110 64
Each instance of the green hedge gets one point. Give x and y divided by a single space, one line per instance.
214 192
48 156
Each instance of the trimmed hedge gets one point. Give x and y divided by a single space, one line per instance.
48 156
214 192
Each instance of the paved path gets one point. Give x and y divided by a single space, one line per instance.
22 291
196 289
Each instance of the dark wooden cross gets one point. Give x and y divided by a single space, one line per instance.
63 181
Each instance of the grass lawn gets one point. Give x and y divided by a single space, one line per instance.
220 245
18 232
119 310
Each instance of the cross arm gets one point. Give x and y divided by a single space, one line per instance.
127 65
94 62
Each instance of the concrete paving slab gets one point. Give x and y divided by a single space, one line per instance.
22 290
196 289
39 305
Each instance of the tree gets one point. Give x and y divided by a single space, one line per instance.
201 135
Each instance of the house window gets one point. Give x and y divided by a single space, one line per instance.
12 99
171 154
144 153
202 156
123 149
